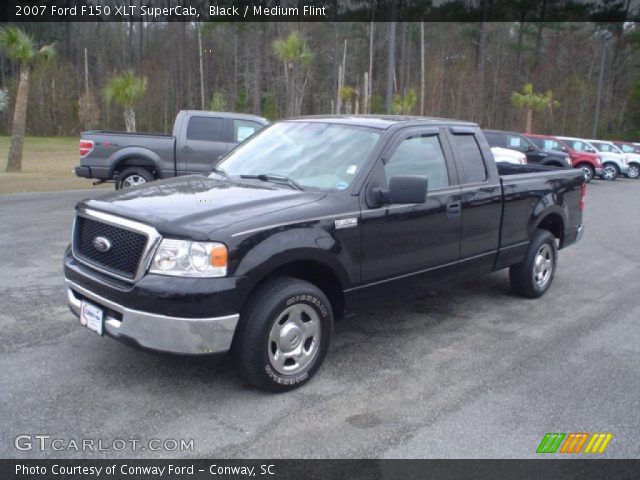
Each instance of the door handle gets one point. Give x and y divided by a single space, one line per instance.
453 210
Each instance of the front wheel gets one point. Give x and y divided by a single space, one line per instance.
532 277
588 171
609 172
284 335
634 170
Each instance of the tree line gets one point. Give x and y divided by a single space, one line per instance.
458 70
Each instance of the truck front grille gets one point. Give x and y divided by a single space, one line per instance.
123 256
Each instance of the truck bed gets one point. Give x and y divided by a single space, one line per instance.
526 189
130 134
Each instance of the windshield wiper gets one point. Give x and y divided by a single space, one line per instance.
268 177
219 171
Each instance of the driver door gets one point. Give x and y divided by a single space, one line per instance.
418 242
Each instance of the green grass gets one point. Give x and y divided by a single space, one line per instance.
47 164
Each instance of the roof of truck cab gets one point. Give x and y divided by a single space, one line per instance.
381 121
240 116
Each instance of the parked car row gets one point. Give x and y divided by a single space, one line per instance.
596 158
200 137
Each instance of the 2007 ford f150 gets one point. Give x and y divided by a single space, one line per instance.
199 139
309 218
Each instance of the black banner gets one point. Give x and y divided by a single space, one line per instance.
318 10
319 469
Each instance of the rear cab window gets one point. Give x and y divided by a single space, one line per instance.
471 164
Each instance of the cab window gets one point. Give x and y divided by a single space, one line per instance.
419 155
473 168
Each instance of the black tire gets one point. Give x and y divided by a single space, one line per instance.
254 349
525 275
128 174
589 171
610 171
634 171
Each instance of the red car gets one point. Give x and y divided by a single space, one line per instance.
588 162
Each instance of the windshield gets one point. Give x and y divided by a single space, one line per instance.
311 154
551 144
627 148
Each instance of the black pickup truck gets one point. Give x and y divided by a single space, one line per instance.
310 218
199 138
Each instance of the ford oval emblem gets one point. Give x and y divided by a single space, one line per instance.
101 244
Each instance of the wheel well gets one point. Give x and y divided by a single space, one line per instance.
586 164
554 224
613 165
136 162
553 164
318 274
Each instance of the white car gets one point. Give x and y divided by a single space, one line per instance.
614 162
632 151
507 155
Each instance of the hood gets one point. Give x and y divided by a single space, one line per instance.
194 206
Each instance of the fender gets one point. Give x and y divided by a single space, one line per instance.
311 244
553 161
542 211
148 157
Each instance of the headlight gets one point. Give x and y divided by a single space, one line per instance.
182 258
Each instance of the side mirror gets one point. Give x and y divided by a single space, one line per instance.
403 189
530 148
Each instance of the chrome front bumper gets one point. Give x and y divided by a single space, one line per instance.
192 336
579 234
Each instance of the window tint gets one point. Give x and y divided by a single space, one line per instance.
210 129
419 155
495 139
539 142
473 168
243 129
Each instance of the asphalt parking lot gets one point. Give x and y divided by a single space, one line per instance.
471 371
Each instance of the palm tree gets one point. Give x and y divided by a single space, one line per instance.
296 57
126 90
533 102
21 48
403 104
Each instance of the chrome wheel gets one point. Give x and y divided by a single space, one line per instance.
294 339
609 172
588 173
133 180
634 171
543 266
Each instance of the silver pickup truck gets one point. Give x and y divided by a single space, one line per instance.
198 139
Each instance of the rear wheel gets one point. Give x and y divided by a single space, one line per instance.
532 277
634 170
284 335
610 171
133 176
588 170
